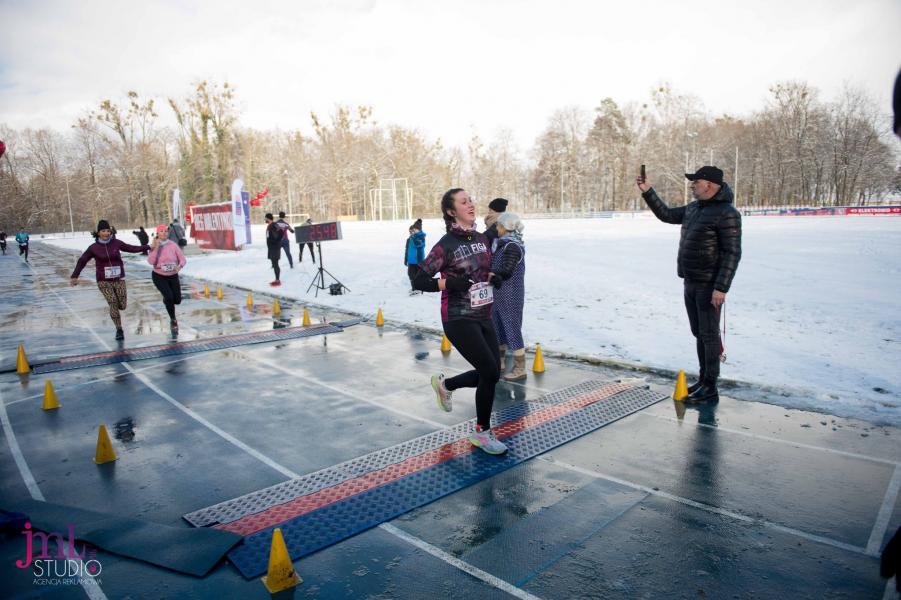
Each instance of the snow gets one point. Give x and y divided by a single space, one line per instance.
813 316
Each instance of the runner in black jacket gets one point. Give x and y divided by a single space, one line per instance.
463 258
709 252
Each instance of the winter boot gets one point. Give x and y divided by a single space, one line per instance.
704 394
519 368
503 356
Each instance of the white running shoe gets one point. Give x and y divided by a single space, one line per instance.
487 442
442 394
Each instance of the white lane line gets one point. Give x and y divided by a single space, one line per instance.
339 390
450 559
16 451
712 509
890 590
777 440
92 589
107 378
885 513
462 565
143 379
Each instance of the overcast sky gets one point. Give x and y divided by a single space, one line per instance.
446 68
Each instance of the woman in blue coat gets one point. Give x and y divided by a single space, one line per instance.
508 261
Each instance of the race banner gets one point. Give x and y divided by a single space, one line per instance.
212 226
241 214
176 204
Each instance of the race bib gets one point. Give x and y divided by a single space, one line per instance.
168 267
481 294
112 272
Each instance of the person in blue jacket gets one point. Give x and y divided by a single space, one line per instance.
22 240
414 251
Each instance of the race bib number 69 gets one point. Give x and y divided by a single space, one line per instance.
481 294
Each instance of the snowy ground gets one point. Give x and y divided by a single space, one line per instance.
814 312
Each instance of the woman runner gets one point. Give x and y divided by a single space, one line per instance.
463 258
167 260
109 270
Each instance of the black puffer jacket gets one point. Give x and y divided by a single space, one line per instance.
710 244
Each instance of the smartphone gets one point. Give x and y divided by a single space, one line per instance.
644 175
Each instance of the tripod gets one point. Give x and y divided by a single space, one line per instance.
319 278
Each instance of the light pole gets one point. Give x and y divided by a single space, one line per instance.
69 201
689 161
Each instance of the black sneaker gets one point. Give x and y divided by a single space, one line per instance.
173 325
120 335
704 394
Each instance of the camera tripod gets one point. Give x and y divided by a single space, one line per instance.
319 278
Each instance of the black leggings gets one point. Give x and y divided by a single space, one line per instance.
170 287
477 343
276 268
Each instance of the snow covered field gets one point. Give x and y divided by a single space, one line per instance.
814 311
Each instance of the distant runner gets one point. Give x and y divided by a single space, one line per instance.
274 235
3 241
286 240
22 239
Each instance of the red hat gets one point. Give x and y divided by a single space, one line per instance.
161 229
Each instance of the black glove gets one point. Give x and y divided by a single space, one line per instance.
457 284
496 281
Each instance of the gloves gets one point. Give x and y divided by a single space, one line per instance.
457 284
496 281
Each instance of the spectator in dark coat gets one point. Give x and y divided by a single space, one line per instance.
142 236
709 252
274 236
495 208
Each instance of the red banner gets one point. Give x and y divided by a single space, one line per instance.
212 226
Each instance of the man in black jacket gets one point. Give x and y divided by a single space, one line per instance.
709 251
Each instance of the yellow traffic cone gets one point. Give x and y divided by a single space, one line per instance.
281 574
306 318
538 363
206 291
276 307
249 299
50 400
105 452
379 319
22 366
445 344
681 387
219 292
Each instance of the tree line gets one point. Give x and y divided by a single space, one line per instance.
120 163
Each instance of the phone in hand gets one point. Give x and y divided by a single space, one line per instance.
643 175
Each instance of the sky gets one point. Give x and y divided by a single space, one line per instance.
448 69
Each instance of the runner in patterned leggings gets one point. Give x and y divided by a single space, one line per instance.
109 269
463 259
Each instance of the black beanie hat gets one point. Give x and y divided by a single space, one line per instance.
498 205
417 224
103 224
269 216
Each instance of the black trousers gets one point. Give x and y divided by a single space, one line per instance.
286 246
312 252
477 343
170 288
704 320
23 249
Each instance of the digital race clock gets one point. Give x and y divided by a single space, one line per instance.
318 232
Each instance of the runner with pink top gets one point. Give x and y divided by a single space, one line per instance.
167 260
